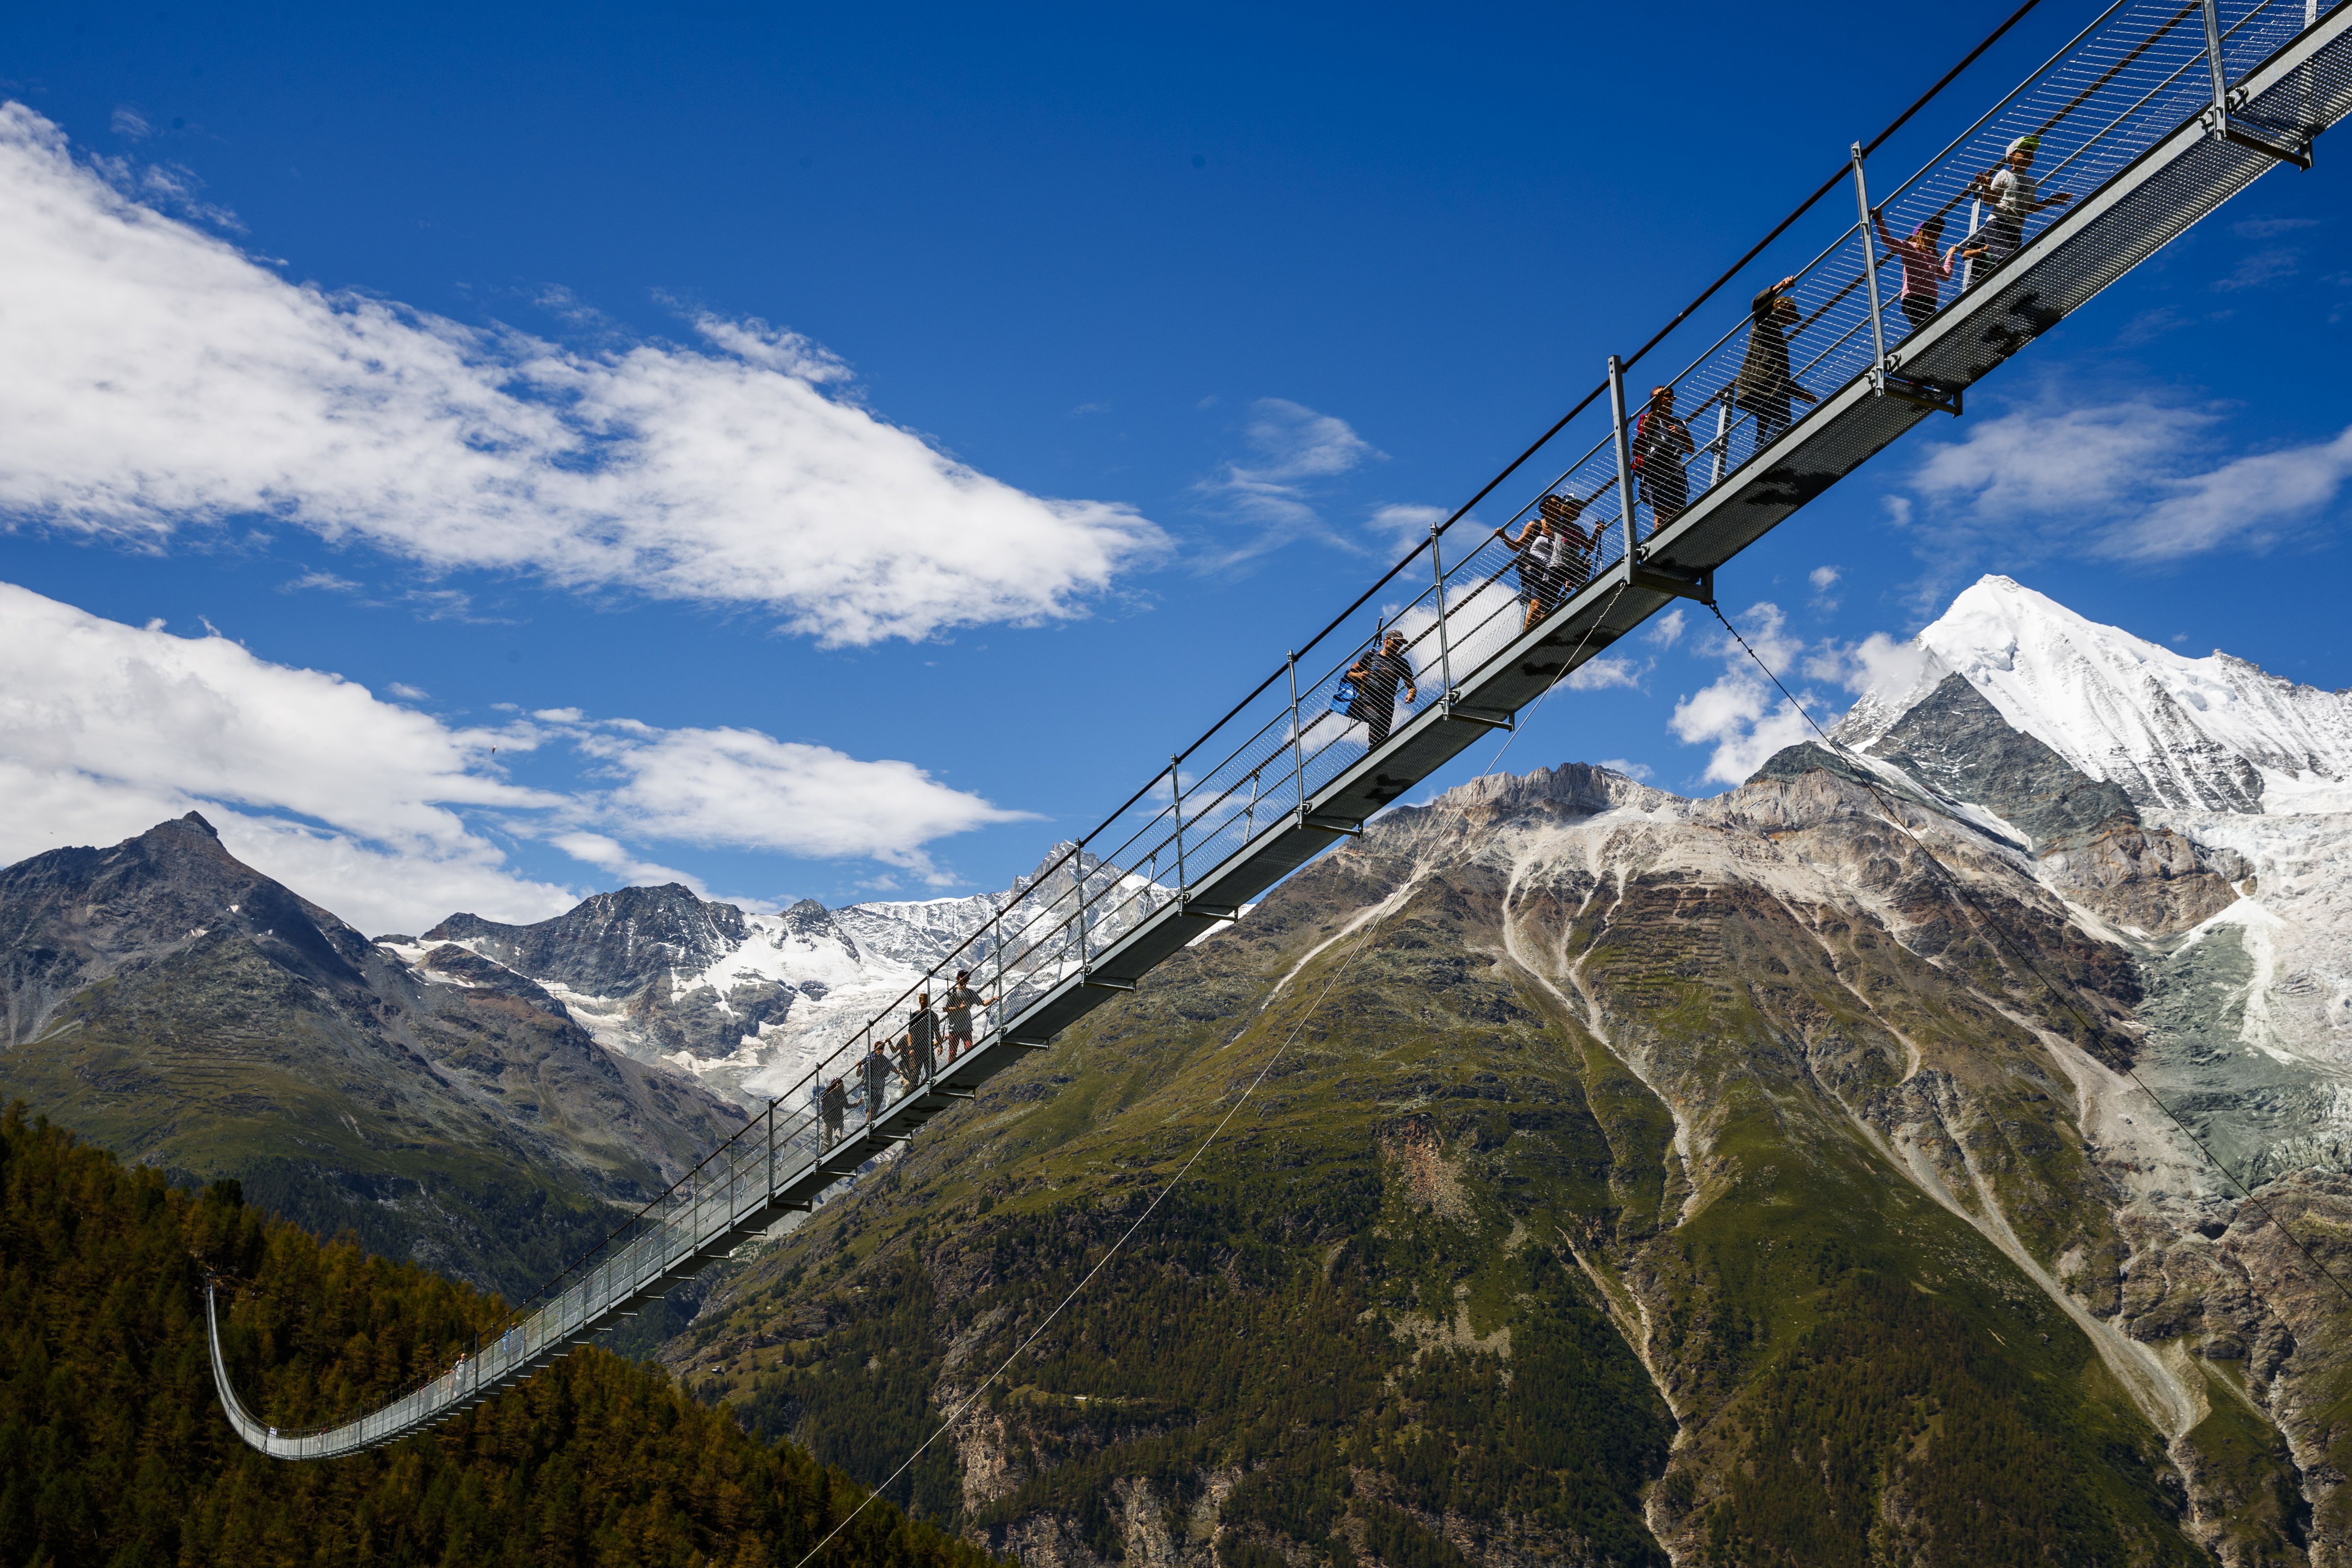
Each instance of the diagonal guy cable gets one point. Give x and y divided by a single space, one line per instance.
1103 1262
2017 952
1559 674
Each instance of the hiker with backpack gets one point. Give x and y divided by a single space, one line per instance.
1376 678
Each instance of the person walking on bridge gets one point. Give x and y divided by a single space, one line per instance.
876 1070
1662 444
1553 556
1376 677
916 1045
1765 387
1927 262
834 1102
2014 197
959 1002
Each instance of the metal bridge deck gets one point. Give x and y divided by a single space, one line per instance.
1175 860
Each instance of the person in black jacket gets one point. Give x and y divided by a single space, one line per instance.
1765 387
1376 677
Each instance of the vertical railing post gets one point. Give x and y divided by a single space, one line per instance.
1176 804
1968 267
1870 275
771 1149
866 1077
2219 72
1722 436
1444 655
996 940
1624 458
1298 742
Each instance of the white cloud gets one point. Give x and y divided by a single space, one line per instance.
2262 268
1640 771
1823 578
1741 714
743 789
1666 630
407 692
2131 481
129 122
1600 674
614 857
2271 228
2258 497
387 815
1293 447
2056 462
1293 442
154 379
1404 525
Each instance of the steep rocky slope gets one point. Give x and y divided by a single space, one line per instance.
169 1002
1633 1180
743 1002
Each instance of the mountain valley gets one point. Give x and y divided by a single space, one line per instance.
1803 1175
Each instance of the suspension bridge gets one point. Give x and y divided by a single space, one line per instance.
2147 119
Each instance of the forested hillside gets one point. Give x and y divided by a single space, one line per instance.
113 1451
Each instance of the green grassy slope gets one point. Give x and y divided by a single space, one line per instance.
1449 1291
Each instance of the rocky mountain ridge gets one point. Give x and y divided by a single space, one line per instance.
167 999
742 1003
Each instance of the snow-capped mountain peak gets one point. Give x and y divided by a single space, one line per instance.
2215 733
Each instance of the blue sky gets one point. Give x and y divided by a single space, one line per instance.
1026 384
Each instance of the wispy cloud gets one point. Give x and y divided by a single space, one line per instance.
2271 228
739 789
326 581
156 379
1294 452
1740 714
2262 268
2253 499
388 816
2048 460
2137 481
1405 524
1601 674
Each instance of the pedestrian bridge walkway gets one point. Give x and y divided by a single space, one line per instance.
2150 118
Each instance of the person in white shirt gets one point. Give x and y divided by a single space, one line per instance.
2013 194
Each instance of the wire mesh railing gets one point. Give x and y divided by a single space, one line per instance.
1856 291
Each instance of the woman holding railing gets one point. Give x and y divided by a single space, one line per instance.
1927 262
